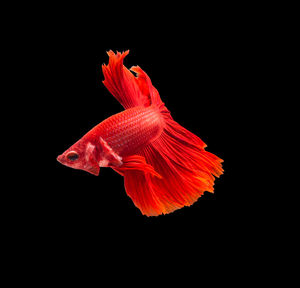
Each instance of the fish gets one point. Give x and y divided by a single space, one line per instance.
164 165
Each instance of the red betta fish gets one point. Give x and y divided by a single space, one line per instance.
165 166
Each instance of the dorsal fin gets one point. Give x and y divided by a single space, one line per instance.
129 90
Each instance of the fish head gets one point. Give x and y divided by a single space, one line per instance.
83 156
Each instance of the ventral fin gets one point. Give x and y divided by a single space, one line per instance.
138 163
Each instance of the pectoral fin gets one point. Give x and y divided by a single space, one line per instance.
108 158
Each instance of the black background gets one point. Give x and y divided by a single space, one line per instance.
198 86
207 78
201 84
206 68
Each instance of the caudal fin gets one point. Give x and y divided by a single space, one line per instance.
186 171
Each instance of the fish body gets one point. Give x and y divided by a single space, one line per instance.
165 166
118 136
129 131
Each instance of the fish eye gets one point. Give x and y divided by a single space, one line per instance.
72 156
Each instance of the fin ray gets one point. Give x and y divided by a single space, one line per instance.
174 170
136 163
187 171
129 90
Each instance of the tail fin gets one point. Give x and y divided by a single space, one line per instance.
186 171
181 168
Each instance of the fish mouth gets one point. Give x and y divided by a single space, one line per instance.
60 159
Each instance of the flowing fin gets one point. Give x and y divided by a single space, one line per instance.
187 171
174 170
136 163
129 90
